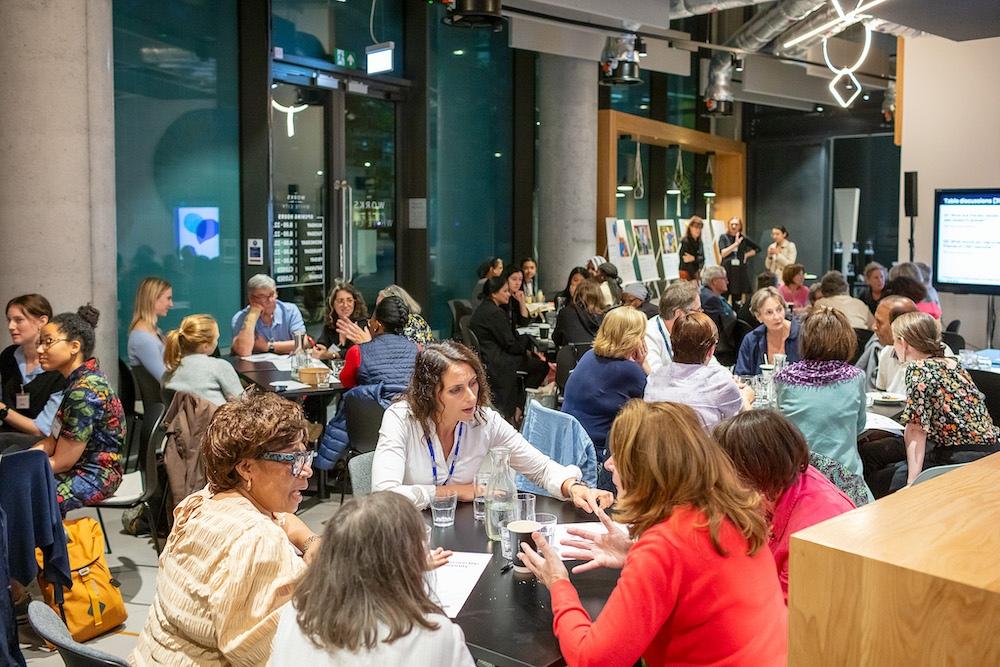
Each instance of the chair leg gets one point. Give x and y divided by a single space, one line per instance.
152 526
100 519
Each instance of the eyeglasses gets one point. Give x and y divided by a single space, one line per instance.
49 342
299 460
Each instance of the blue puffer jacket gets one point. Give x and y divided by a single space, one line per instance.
334 442
387 358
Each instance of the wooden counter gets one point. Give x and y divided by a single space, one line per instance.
912 579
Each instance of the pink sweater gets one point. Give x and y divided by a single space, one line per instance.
811 499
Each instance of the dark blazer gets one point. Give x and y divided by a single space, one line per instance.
39 390
725 321
574 325
754 347
500 349
695 248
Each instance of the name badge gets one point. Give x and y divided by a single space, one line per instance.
56 428
22 401
736 262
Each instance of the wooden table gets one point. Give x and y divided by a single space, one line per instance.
507 620
911 579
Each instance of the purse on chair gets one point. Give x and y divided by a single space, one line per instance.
94 605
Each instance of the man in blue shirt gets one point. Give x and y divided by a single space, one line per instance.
714 285
266 324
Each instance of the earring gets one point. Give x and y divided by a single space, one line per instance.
249 484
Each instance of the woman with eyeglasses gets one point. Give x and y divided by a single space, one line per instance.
237 549
346 323
84 446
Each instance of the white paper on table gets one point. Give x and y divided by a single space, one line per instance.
876 422
290 384
263 356
452 583
562 533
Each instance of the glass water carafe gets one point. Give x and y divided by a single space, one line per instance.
500 492
299 358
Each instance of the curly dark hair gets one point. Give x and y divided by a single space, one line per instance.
79 326
360 312
432 362
258 422
392 313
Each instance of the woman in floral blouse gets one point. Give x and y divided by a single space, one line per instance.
84 447
945 416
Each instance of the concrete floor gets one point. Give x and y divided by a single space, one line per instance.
133 562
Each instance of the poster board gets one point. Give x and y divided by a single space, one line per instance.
642 243
619 249
670 261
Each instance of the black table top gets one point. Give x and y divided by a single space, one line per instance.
507 619
263 373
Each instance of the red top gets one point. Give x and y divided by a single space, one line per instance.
679 602
798 298
930 308
811 499
352 362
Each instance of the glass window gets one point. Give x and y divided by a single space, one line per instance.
470 140
318 28
632 99
177 157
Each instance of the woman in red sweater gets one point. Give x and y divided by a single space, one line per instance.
771 455
696 587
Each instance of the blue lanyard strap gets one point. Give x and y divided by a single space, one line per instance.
454 459
663 335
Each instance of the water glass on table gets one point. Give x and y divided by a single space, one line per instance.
443 508
547 523
524 506
505 548
479 501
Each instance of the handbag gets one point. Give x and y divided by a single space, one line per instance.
94 605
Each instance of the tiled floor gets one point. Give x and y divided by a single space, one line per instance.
133 563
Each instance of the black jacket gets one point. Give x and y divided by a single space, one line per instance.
501 350
573 325
39 390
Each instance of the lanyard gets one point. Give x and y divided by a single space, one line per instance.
454 458
663 335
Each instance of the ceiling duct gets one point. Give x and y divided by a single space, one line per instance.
821 18
753 36
682 9
620 61
474 14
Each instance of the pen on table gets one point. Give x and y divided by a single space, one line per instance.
507 567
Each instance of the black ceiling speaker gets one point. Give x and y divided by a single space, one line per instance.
475 14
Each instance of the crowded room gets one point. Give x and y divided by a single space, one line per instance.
499 333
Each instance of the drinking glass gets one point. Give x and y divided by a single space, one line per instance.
548 525
323 379
967 358
505 549
479 502
524 506
443 509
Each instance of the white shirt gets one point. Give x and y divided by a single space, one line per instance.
444 647
403 463
659 351
891 375
854 310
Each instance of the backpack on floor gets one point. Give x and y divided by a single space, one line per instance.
94 605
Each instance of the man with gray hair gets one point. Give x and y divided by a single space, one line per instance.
835 295
266 324
678 299
714 285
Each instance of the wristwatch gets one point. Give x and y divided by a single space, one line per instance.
579 483
4 411
270 346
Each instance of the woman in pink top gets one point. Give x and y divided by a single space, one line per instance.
792 287
697 586
771 455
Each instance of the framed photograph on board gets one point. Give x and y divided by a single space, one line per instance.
643 244
619 249
669 259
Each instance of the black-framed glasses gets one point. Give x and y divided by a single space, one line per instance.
299 460
49 342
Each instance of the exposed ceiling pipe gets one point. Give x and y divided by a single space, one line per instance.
681 9
753 36
821 18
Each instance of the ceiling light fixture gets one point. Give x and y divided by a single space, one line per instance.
850 18
845 75
709 184
620 61
289 112
738 63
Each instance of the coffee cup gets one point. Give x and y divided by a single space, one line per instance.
543 331
520 532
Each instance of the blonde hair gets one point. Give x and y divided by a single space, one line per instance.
194 331
144 308
762 295
620 333
665 459
920 331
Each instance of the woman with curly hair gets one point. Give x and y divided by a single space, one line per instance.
434 438
345 325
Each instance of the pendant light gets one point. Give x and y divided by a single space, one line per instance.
709 184
640 188
676 186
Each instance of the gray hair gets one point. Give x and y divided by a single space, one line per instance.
925 272
261 281
832 284
710 273
906 270
396 290
679 296
762 295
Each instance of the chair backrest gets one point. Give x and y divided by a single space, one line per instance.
989 383
560 437
936 471
864 335
151 438
47 624
360 467
740 331
126 388
364 418
466 331
148 386
953 340
566 361
953 326
459 308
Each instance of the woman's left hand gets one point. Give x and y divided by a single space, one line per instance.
544 563
352 331
749 254
587 499
437 557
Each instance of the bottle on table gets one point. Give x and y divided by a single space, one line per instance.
299 358
500 492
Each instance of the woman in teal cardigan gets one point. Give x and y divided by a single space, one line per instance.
823 394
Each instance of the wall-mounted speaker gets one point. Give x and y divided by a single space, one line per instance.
910 194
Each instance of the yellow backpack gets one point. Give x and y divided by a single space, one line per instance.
94 605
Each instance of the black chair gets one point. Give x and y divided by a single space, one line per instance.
47 625
468 335
149 387
864 335
459 308
953 340
133 421
989 383
739 331
137 488
126 388
566 361
953 326
364 419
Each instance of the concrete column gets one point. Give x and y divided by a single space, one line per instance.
567 166
57 159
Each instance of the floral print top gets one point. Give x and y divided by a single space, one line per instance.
91 413
417 330
942 398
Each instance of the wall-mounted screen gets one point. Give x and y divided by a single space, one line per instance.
967 240
198 229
